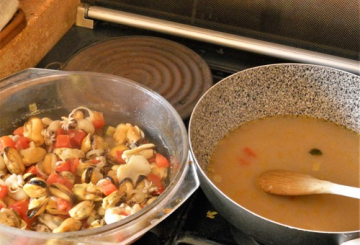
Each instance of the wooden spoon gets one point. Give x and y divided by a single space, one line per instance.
292 184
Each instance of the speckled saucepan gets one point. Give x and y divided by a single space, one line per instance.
282 89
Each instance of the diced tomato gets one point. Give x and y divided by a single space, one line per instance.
63 205
21 207
19 131
3 191
1 206
119 158
60 131
94 161
56 178
249 152
74 163
63 141
124 212
76 137
62 166
108 187
161 161
22 143
32 169
98 119
6 141
156 181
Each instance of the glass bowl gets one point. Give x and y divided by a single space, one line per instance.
54 94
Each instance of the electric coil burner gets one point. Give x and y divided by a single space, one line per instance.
176 72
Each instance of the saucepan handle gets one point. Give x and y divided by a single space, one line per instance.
352 242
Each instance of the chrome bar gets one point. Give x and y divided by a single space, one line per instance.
221 38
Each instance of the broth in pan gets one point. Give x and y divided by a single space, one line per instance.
306 145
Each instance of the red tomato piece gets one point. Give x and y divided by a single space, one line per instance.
108 187
76 137
63 141
119 158
22 143
32 169
249 152
98 119
62 166
63 205
56 178
21 207
19 131
60 131
161 161
3 191
156 181
74 163
6 141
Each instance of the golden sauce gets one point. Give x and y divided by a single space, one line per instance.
305 145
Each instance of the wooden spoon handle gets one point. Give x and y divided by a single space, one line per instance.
292 184
343 190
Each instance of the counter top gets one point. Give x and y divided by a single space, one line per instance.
46 22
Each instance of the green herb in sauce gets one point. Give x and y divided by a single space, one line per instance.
315 152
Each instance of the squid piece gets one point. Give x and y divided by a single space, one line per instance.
15 185
137 165
118 213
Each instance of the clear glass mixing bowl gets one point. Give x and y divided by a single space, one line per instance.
55 94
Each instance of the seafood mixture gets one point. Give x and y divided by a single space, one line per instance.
76 173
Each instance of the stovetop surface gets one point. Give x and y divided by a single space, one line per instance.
196 221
